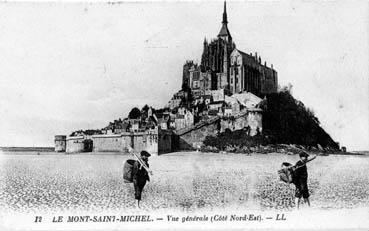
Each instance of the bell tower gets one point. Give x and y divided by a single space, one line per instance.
224 32
226 40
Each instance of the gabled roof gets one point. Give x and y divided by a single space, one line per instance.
251 60
247 59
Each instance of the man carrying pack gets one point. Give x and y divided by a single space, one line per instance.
300 176
140 176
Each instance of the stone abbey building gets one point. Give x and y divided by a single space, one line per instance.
223 66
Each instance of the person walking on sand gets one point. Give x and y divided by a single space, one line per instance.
140 176
299 179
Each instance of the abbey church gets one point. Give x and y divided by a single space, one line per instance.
224 67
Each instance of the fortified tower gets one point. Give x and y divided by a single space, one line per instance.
60 143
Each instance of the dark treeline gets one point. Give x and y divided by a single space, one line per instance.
238 138
287 121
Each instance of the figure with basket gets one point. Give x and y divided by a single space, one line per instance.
298 175
137 172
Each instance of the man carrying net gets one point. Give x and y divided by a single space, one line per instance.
140 175
297 174
299 179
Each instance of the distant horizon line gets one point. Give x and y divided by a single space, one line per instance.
51 147
27 148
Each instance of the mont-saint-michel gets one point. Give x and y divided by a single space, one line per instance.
200 91
229 101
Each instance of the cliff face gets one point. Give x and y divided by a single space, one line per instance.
286 120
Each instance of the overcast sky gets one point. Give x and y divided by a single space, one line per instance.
70 66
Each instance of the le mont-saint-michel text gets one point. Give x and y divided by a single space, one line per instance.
168 218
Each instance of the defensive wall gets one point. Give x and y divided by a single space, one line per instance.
111 143
147 140
75 144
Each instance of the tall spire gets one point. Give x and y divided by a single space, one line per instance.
225 21
224 32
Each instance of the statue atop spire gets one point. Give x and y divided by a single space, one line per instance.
225 21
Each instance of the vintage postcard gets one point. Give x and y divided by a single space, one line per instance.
184 115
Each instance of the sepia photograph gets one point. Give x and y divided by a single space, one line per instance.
185 115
